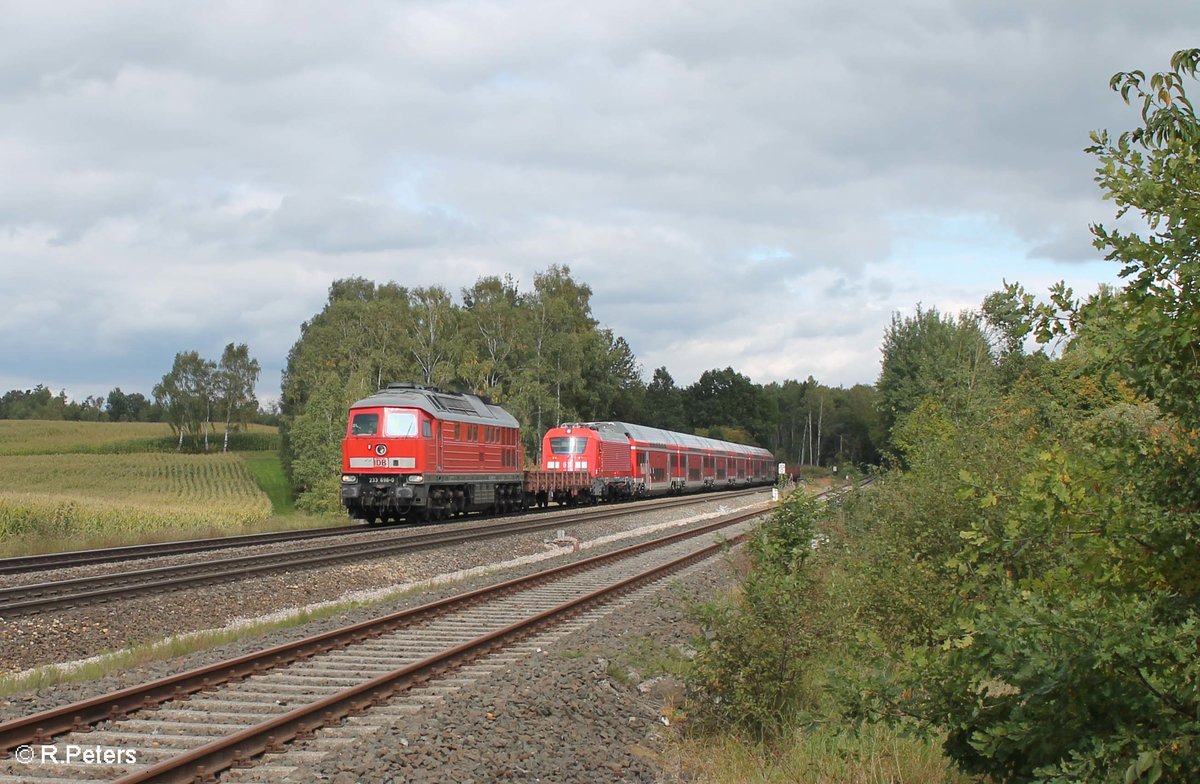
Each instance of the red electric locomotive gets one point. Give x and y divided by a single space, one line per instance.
417 451
627 460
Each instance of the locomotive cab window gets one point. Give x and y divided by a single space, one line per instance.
426 428
364 425
568 445
400 424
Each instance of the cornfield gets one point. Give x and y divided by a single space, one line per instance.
42 437
60 496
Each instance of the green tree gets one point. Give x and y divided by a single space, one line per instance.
926 354
233 384
727 399
1072 655
362 337
561 331
436 344
184 393
1154 171
752 667
612 376
316 440
117 406
663 403
495 328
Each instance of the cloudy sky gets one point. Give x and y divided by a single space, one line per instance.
757 184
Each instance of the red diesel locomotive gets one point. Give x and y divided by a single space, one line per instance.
415 450
628 461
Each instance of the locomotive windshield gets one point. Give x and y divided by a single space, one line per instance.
401 424
568 445
364 425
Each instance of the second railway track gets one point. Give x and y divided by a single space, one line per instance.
45 597
204 721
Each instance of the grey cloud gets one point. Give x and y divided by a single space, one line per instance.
654 147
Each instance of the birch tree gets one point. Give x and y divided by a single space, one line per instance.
435 333
184 392
235 378
495 328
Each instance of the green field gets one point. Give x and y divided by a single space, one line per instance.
41 437
63 495
69 485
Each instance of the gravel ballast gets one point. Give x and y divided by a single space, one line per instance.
585 708
25 642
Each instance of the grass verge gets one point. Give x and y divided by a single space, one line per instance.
822 755
267 471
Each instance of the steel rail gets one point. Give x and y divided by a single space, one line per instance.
45 561
25 599
237 749
41 727
23 564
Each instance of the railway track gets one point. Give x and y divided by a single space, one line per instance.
45 597
50 561
190 726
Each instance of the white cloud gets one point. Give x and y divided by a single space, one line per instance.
749 184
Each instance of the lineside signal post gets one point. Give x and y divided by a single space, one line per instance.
779 483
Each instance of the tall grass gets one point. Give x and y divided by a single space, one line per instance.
267 470
821 755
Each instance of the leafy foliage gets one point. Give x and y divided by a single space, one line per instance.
1070 651
1027 586
41 403
928 355
749 671
195 387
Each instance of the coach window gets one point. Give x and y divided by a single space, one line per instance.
400 424
364 425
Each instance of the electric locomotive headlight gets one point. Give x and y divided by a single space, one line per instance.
416 479
349 479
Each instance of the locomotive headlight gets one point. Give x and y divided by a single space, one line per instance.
416 479
349 478
381 450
